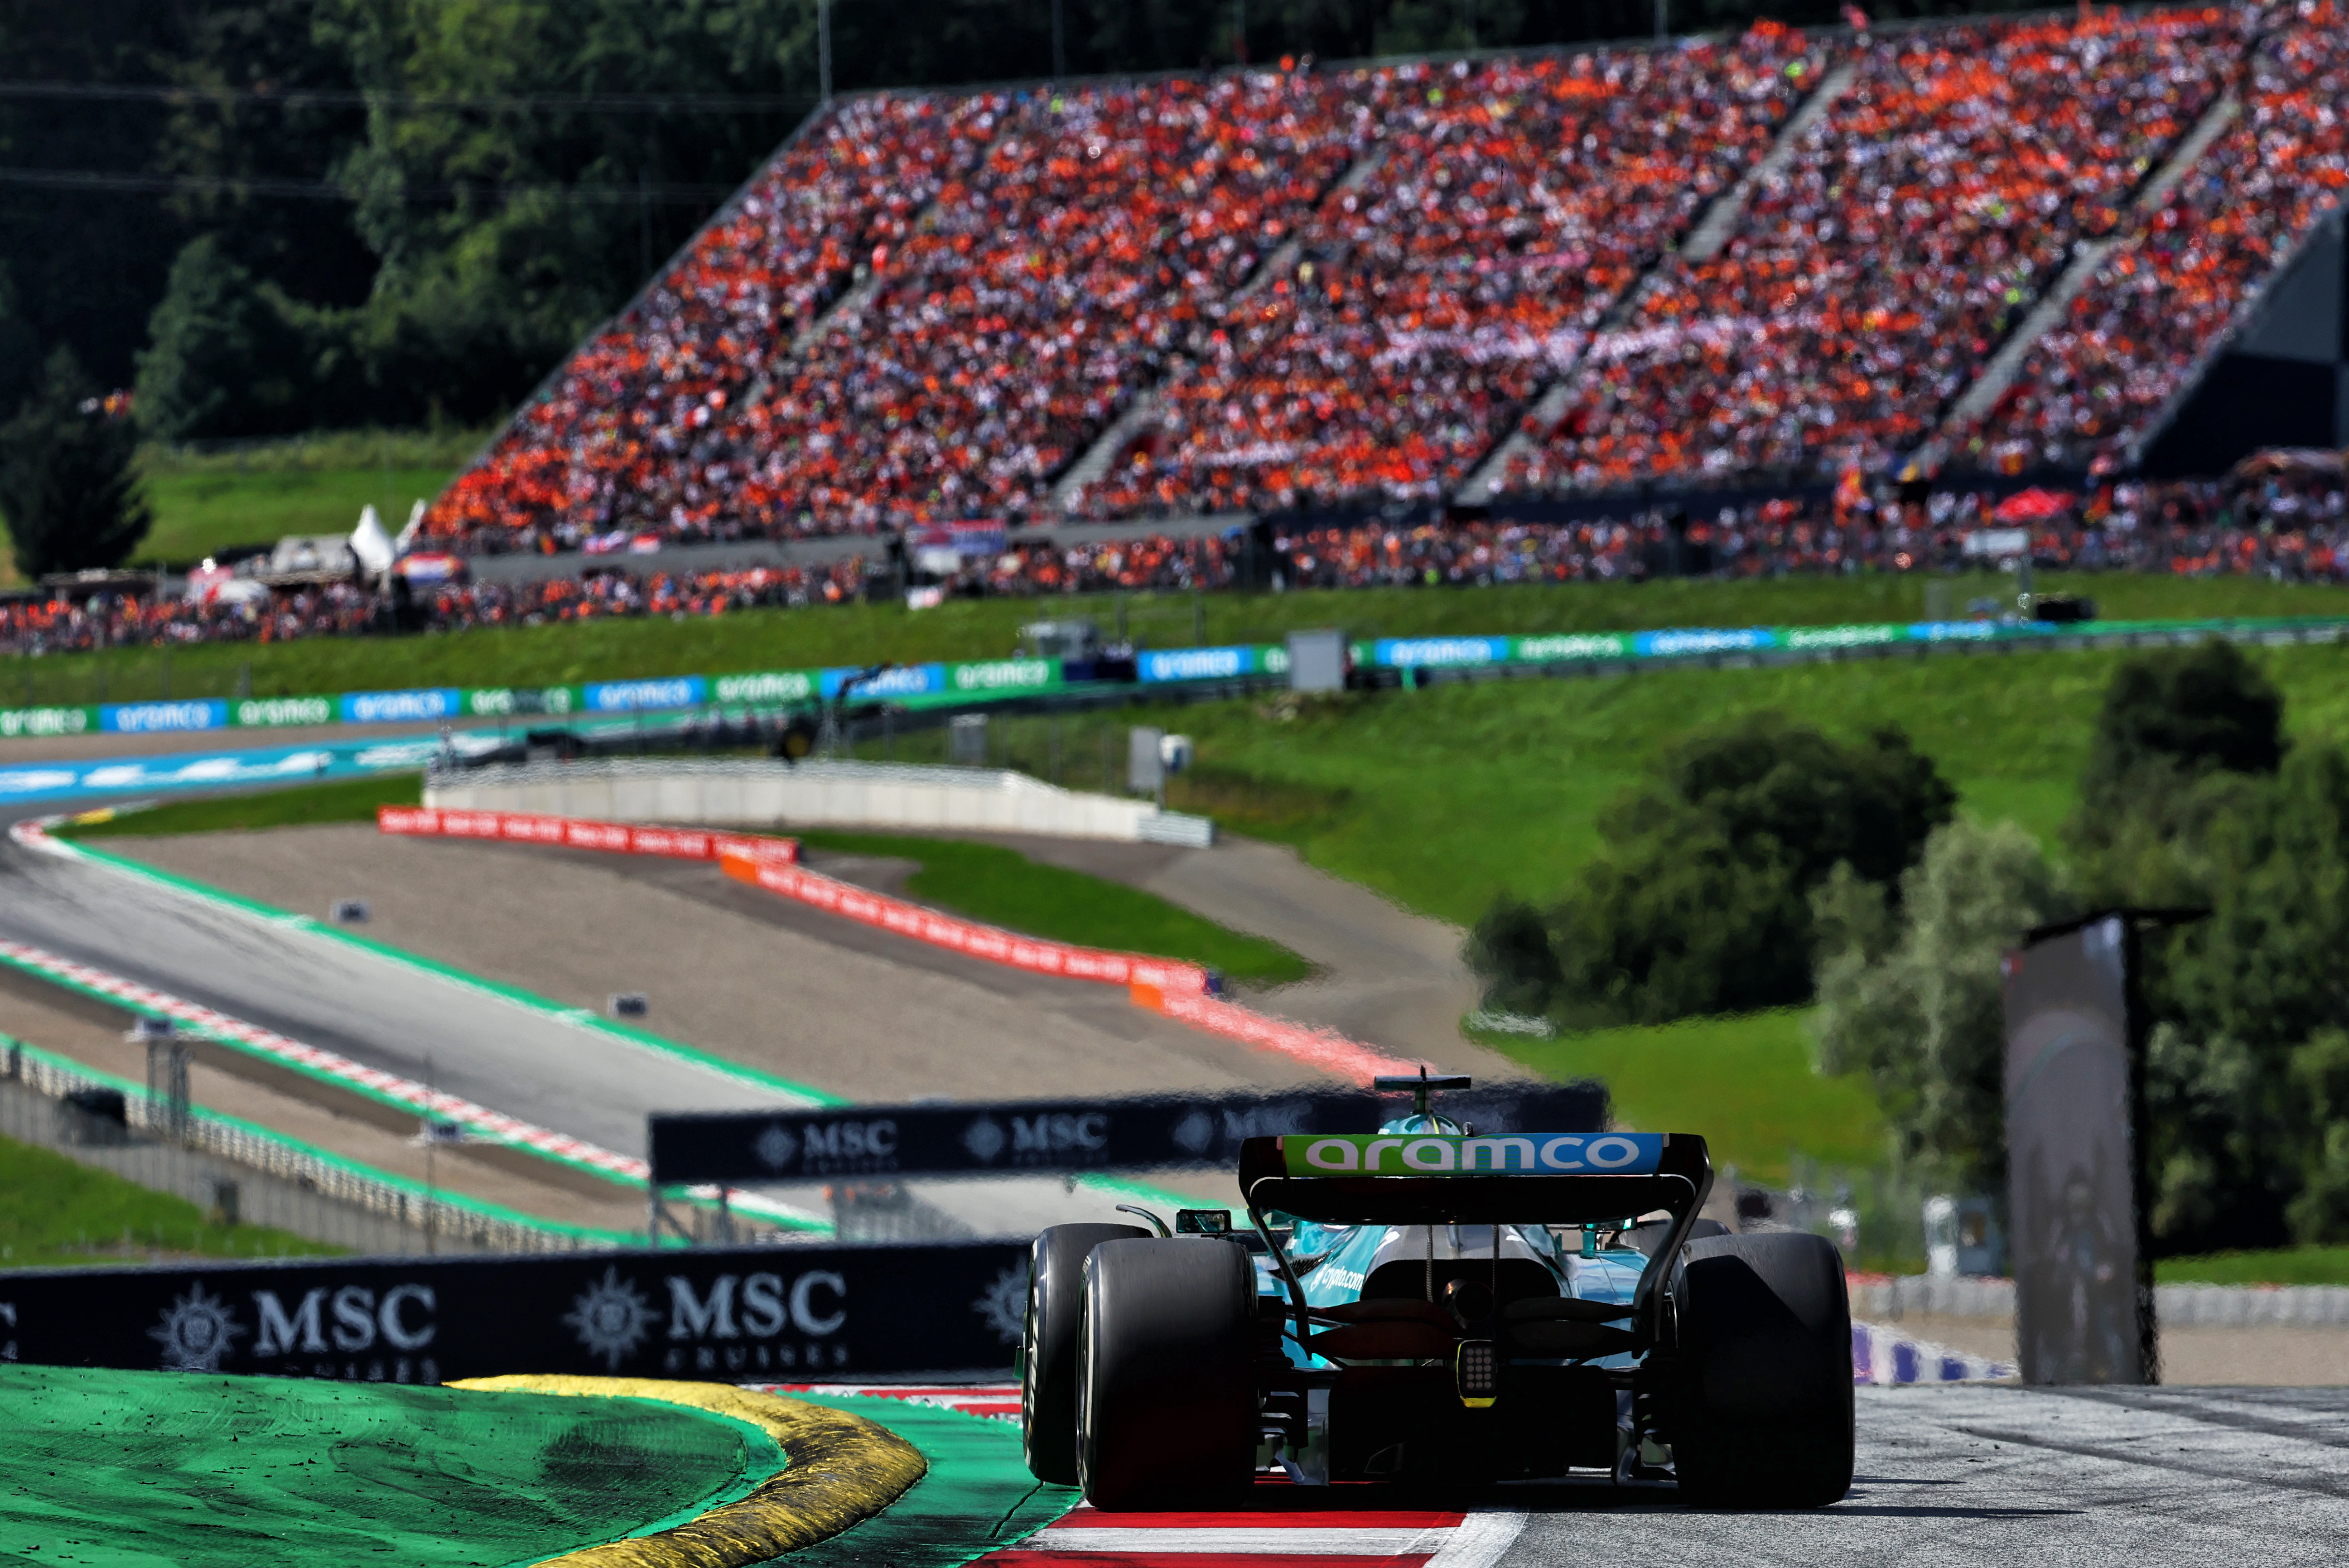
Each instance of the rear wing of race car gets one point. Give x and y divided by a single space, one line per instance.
1512 1178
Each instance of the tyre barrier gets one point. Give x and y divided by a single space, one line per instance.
1182 992
1178 991
992 943
841 1470
581 832
1886 1357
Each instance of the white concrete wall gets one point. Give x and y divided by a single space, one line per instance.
829 795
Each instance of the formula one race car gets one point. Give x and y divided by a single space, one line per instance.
1426 1305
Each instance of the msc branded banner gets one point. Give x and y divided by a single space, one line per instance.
1060 1135
731 1313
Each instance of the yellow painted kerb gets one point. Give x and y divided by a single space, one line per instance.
844 1470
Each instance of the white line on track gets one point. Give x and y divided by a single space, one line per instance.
1291 1541
1479 1540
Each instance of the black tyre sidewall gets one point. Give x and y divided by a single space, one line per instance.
1048 1369
1166 1405
1760 1378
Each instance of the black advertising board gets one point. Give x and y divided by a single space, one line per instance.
1054 1136
2083 1302
735 1313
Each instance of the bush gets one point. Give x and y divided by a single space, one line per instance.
1704 907
67 485
227 356
2170 719
1921 1009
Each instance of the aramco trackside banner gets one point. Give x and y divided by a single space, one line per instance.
724 1312
985 680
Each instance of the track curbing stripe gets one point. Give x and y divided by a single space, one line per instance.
841 1470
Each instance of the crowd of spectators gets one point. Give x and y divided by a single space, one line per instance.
1106 226
2163 298
113 619
1873 276
1338 285
641 397
2284 526
1511 203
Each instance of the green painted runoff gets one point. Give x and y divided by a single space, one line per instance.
175 1469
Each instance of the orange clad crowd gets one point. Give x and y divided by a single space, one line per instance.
1294 287
2165 296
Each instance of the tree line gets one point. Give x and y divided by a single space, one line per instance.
1768 865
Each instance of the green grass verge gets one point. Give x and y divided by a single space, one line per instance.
988 628
1004 888
208 510
1444 797
345 800
1744 1085
56 1211
2277 1266
201 1471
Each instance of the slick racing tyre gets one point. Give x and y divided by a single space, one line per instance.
1760 1380
1166 1407
1048 1348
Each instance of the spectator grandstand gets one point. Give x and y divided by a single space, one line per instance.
1516 201
1346 287
1874 275
2133 338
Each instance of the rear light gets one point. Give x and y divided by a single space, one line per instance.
1476 1371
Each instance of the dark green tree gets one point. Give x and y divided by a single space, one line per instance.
67 485
224 358
1702 905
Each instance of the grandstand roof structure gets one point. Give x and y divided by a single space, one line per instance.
1994 245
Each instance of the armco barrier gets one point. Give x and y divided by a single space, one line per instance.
960 684
1178 991
578 833
990 943
1333 1054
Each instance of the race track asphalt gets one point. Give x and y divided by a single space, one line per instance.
1960 1476
525 1062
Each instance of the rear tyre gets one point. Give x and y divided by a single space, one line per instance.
1761 1411
1167 1407
1048 1348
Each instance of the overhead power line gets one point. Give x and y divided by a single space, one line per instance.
362 97
328 191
